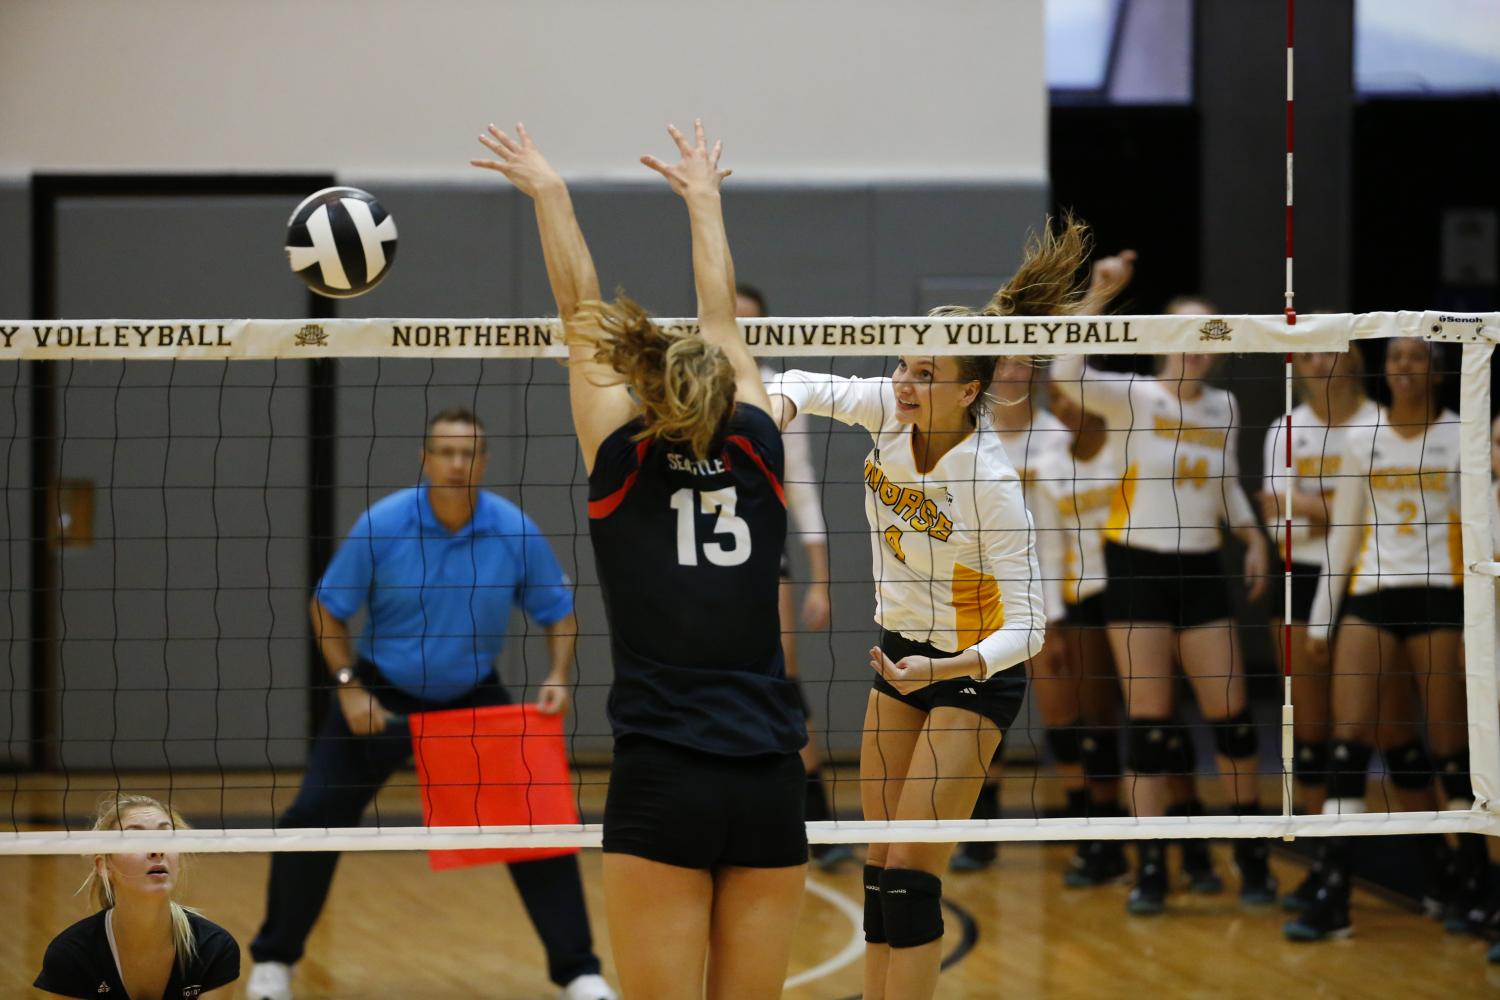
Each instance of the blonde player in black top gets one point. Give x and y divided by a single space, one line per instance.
703 826
141 943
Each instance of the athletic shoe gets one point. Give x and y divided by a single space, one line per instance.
1257 884
1300 898
1494 953
973 857
1327 917
1198 869
270 981
1149 897
590 987
1096 862
832 857
964 862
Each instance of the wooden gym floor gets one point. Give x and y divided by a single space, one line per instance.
393 928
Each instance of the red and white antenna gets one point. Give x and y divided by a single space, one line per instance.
1288 745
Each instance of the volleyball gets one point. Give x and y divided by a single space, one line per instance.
341 242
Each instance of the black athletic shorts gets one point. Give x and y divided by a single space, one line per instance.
997 698
1304 589
692 809
786 565
1180 589
1091 612
1409 611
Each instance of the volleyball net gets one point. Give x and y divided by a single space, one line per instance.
176 488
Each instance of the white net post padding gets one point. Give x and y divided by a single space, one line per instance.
1479 586
186 340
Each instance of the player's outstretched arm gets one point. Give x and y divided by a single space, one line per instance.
600 403
697 177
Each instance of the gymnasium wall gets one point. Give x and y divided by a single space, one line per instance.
833 90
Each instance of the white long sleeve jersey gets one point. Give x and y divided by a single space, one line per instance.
953 548
804 500
1395 519
1317 459
1182 474
1028 450
1082 491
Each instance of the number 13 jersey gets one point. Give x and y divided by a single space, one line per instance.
688 553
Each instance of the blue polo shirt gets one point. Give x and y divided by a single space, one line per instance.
439 601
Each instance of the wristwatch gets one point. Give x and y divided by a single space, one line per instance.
344 676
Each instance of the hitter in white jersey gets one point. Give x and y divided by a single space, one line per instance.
1167 601
1394 583
958 598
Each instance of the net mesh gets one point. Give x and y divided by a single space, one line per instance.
175 491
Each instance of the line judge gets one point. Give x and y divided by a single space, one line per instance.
438 568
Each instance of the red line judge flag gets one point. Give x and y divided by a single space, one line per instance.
500 766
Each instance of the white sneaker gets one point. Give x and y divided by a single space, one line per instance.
271 981
590 987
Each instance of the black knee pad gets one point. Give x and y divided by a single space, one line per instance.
1348 769
1236 738
1100 749
1453 773
1182 752
911 903
874 920
1409 765
1310 762
1149 749
1065 743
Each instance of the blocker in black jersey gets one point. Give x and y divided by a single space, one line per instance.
80 962
689 555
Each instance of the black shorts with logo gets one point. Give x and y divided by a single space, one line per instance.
1406 612
1180 589
684 807
997 698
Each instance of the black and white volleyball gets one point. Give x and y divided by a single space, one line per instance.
341 241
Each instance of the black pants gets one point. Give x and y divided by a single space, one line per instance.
344 772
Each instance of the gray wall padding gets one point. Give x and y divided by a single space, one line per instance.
184 626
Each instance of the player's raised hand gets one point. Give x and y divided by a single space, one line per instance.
519 160
698 170
1108 279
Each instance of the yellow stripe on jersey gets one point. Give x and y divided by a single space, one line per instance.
977 608
1455 549
1359 561
1119 506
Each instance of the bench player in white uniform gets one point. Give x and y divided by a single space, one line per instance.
1394 583
1030 433
958 598
805 505
1331 388
1080 485
1166 600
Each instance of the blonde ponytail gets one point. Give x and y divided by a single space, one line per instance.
685 385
